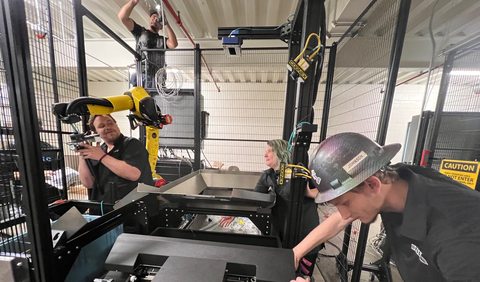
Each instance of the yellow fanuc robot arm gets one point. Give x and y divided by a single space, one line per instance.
144 111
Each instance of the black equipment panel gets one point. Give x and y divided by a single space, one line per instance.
206 261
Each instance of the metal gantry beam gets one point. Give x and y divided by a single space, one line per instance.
114 24
306 22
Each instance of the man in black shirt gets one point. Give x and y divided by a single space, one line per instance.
148 38
118 165
432 222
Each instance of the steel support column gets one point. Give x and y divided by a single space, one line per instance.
197 93
328 91
305 99
53 70
16 55
78 11
442 94
396 53
291 88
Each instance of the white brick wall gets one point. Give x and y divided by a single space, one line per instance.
357 108
249 111
254 111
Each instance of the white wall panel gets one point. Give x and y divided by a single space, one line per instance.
254 111
243 111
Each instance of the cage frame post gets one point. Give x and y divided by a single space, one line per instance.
56 99
442 95
394 65
16 55
305 96
79 12
196 116
294 48
328 91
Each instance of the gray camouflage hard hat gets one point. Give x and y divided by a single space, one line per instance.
343 161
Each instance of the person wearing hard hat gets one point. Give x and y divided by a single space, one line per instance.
432 222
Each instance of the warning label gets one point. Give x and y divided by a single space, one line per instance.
465 172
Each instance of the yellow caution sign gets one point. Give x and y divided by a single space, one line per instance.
465 172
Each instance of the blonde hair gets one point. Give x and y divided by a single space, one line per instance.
280 149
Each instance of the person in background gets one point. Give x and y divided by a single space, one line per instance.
276 153
148 39
432 222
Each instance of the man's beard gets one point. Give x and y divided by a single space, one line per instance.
111 138
154 28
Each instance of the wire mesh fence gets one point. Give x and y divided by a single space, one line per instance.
361 74
459 132
43 77
11 211
318 106
63 35
248 110
50 27
173 90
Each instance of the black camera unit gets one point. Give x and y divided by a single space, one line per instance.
87 138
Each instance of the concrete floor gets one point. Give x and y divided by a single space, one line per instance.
326 266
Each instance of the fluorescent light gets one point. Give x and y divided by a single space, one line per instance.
465 72
174 70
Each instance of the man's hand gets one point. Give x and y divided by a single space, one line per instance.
311 193
226 220
125 12
165 21
90 152
300 279
296 257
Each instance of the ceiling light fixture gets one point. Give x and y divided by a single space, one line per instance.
465 72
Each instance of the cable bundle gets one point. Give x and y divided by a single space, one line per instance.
169 80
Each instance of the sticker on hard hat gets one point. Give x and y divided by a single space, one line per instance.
354 162
316 178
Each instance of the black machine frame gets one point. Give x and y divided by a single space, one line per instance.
15 51
300 96
16 55
305 93
381 267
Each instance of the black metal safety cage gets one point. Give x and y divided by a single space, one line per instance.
149 82
38 68
61 76
20 93
454 129
363 57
